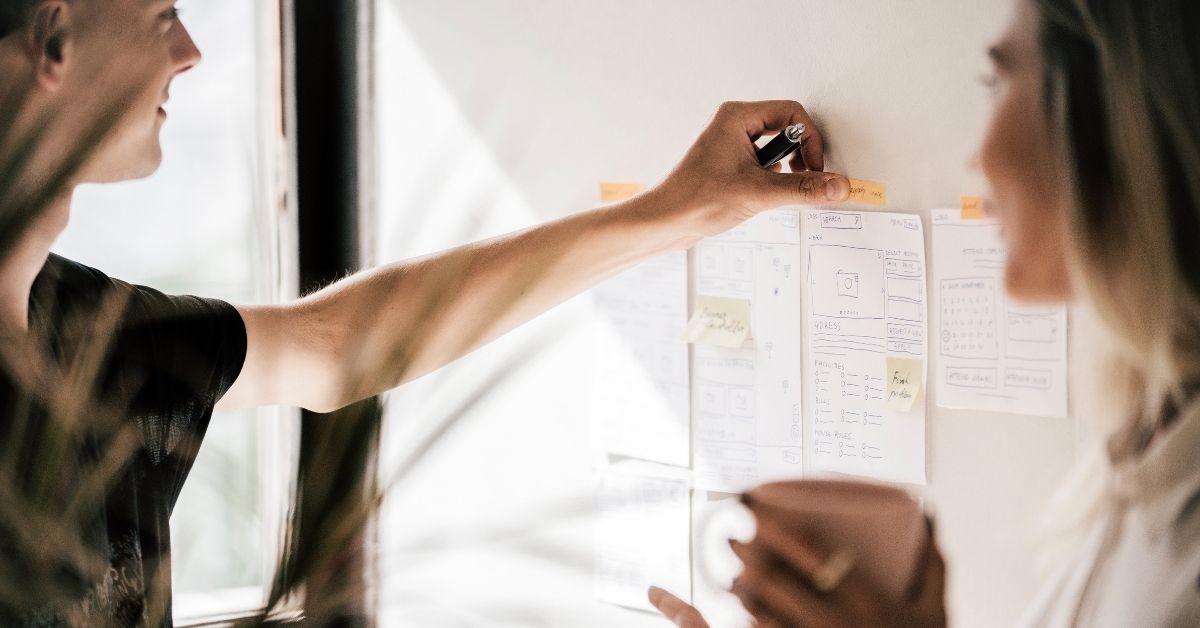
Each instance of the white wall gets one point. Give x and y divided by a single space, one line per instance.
497 115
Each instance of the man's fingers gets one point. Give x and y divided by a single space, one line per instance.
766 116
810 188
675 609
772 116
812 152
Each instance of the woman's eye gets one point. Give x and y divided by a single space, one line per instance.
991 82
170 15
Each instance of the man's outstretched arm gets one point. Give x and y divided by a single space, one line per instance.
386 326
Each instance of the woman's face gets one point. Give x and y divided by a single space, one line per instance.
1028 187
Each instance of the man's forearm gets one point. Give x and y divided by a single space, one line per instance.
401 321
381 328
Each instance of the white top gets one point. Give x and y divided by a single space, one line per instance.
1139 562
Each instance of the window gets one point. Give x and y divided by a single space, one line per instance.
209 223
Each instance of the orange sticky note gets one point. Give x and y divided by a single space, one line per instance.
616 192
972 208
868 192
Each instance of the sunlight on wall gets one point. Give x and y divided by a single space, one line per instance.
494 526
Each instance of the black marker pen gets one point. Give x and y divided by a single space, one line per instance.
783 145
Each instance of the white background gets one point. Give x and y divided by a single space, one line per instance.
499 115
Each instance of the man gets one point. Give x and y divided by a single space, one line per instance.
127 369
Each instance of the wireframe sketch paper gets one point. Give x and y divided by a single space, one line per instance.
747 427
643 533
865 281
641 398
993 354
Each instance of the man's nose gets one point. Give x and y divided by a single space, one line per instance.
184 51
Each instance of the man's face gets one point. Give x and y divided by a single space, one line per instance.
122 63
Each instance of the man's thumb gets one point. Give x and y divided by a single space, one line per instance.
815 188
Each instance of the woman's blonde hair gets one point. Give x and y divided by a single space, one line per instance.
1122 96
1122 89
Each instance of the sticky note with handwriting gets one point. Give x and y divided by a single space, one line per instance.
719 321
868 192
972 208
904 377
616 192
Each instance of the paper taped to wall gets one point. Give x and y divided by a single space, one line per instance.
993 354
746 400
866 288
641 398
643 533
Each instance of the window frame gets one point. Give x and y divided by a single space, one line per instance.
277 428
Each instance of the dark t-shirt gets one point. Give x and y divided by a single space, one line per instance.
153 367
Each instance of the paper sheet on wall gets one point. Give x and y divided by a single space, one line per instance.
643 533
641 397
993 354
865 278
747 400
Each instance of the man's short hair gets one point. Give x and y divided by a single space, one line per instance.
13 15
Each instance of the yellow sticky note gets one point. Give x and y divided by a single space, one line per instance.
719 321
972 208
615 192
904 377
868 192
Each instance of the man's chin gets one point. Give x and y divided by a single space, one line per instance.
129 170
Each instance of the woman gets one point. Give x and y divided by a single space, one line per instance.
1093 158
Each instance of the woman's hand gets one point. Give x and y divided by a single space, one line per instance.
720 184
777 587
684 615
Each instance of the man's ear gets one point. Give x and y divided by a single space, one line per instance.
47 41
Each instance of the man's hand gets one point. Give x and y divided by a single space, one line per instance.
720 184
681 613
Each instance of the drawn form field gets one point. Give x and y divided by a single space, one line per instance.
841 220
867 354
902 289
1036 379
641 397
993 354
973 377
1034 335
746 423
643 533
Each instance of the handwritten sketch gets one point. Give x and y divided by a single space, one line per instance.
641 400
854 328
993 354
968 315
746 401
